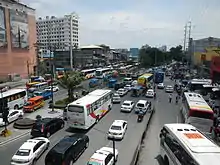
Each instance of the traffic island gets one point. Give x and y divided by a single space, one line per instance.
25 123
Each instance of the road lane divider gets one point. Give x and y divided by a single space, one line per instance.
141 141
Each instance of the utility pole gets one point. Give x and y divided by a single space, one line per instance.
28 71
189 50
71 42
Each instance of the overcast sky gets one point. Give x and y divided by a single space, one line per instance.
133 23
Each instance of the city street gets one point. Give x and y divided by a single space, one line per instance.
97 136
165 113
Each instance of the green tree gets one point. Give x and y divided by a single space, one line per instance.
176 53
70 81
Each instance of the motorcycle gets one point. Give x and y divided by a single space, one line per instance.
140 117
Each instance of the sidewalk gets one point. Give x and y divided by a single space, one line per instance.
15 83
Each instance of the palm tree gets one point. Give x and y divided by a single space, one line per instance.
70 81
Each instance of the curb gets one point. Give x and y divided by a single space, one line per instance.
138 149
14 138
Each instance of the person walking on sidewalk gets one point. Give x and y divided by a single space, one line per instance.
170 98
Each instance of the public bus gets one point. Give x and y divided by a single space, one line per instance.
86 111
101 73
88 73
145 79
196 111
14 98
41 86
197 84
184 144
31 84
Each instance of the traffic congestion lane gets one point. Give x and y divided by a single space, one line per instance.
7 151
97 134
165 113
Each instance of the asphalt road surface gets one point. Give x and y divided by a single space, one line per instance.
165 113
97 135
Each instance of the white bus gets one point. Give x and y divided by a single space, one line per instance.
197 84
88 73
41 86
86 111
196 111
15 98
101 73
183 144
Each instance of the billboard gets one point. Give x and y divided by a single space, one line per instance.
3 33
19 29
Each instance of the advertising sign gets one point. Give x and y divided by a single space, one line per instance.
3 38
19 29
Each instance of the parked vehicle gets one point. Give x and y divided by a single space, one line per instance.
67 150
46 127
12 116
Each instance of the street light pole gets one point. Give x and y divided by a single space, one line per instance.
52 77
113 140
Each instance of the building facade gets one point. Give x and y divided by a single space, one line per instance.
197 47
17 39
61 33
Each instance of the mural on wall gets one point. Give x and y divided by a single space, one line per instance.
19 29
3 38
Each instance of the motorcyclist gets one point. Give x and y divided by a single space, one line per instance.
140 114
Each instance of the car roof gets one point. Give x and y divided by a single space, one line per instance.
127 101
101 154
150 90
29 144
142 101
65 143
118 122
44 120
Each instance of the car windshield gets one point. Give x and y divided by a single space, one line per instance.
93 163
126 104
140 105
27 103
114 127
23 152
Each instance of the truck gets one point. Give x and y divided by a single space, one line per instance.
158 77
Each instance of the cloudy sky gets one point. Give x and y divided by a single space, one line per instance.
133 23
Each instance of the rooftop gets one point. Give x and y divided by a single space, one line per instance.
19 3
91 47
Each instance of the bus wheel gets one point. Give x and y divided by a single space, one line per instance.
97 119
165 160
16 107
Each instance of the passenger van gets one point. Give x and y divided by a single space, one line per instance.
33 103
67 150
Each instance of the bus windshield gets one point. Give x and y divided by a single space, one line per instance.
78 109
98 73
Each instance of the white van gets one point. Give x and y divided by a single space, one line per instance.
127 80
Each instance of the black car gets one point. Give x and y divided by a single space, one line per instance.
119 85
67 150
46 126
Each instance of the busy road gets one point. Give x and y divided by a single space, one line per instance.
165 113
97 135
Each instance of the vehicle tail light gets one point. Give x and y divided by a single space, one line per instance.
42 128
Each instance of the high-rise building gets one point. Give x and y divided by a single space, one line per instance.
58 33
134 52
17 39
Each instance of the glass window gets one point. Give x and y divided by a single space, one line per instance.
23 152
74 108
114 127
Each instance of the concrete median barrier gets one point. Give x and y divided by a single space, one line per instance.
25 123
138 149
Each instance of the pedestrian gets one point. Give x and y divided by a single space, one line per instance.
170 98
177 98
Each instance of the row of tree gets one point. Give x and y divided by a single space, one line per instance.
151 56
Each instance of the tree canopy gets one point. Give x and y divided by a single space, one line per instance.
151 56
70 81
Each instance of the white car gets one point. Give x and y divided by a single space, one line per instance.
117 129
127 106
12 116
30 151
116 98
134 83
142 105
169 89
150 93
128 87
103 156
55 88
160 86
122 92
